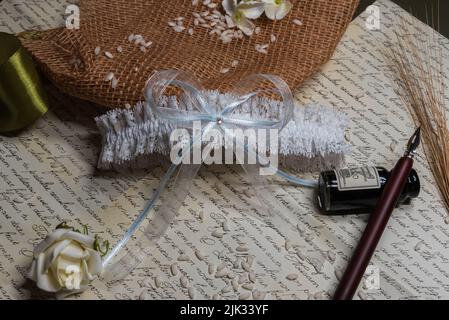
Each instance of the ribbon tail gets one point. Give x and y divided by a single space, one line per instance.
171 202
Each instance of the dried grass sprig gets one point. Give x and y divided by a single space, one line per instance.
416 65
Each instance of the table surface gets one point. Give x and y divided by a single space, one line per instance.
66 129
419 8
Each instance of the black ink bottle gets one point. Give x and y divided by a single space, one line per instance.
357 190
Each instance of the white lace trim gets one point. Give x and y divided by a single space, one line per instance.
313 139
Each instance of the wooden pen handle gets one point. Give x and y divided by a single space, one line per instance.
374 229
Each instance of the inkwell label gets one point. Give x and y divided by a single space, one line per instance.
357 178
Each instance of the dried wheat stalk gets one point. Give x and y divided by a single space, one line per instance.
416 63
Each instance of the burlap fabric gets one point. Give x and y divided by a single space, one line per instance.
296 54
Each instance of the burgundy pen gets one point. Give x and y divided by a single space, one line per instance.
377 222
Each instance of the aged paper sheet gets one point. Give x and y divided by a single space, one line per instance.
48 175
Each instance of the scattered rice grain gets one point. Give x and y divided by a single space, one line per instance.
338 274
109 76
191 292
235 284
347 136
174 269
292 277
211 268
221 274
246 266
221 266
260 49
217 234
18 200
184 282
244 295
252 276
241 248
157 282
179 28
226 289
199 255
183 257
114 83
143 295
331 255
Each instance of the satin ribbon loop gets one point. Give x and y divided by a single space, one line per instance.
22 96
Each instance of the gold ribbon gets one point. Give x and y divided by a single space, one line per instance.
22 96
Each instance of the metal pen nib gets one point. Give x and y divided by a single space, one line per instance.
413 143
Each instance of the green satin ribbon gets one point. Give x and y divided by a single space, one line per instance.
22 96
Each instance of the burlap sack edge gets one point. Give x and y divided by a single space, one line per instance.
50 50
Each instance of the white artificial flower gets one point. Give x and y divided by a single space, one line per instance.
277 9
65 261
252 9
239 14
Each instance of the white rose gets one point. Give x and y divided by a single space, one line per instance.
65 260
